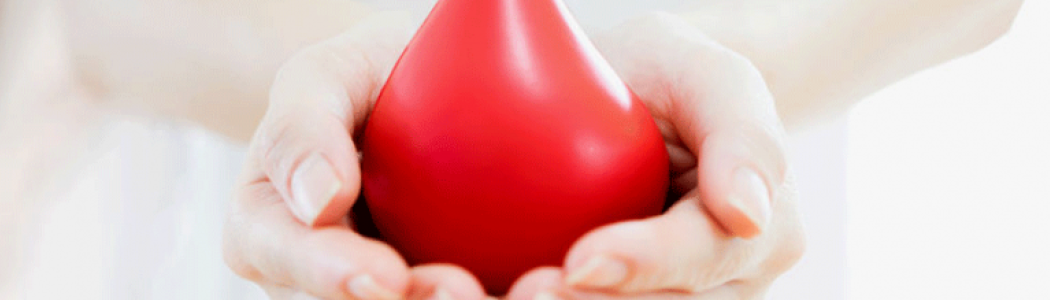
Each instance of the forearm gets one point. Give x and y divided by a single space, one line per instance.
210 62
821 56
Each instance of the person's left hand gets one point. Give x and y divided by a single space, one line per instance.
735 228
290 228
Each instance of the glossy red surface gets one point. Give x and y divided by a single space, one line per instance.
501 137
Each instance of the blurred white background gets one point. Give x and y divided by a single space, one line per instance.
949 176
944 179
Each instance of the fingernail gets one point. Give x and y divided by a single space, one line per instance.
364 287
546 296
598 272
751 197
314 184
440 294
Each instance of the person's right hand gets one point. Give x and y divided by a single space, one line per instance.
288 228
733 227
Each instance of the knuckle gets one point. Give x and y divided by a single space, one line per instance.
758 144
325 72
791 241
341 62
241 267
791 250
233 256
340 65
275 134
773 140
240 250
271 143
290 74
766 141
795 245
795 248
739 257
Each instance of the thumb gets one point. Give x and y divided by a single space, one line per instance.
738 173
728 118
720 110
319 98
304 144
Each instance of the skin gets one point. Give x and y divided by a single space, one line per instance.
807 50
723 112
108 59
819 57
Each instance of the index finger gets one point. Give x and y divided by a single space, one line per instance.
263 243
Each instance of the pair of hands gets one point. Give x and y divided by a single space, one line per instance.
732 232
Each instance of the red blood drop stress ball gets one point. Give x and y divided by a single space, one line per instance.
501 137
